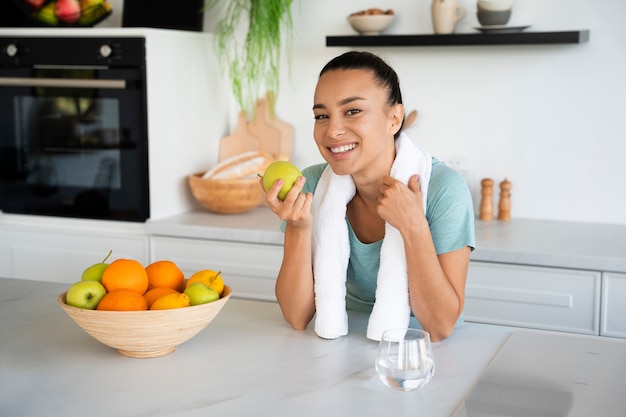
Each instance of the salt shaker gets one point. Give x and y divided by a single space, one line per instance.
504 206
486 204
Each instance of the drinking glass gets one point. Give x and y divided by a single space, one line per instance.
405 359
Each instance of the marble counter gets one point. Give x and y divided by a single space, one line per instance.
591 246
247 362
257 226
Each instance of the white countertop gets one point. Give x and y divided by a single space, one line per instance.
257 226
591 246
246 362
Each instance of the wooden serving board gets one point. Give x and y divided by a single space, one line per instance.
239 141
286 130
268 136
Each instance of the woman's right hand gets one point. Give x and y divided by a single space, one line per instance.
294 283
295 209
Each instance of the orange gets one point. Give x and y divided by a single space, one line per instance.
125 273
155 293
123 299
165 274
209 278
170 301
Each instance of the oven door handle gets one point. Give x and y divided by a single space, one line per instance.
61 83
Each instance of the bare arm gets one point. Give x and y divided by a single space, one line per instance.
436 282
294 284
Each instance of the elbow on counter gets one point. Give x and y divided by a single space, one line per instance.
298 326
441 333
297 323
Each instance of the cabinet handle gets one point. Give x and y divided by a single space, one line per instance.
61 83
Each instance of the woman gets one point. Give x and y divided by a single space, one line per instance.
359 114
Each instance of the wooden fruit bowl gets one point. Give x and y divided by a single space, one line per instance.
227 196
145 334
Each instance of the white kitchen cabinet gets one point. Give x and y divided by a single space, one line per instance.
58 250
534 297
613 305
249 269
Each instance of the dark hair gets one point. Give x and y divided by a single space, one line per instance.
384 75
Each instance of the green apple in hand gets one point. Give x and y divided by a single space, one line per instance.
284 170
85 294
199 293
95 271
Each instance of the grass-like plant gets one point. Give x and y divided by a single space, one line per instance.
254 64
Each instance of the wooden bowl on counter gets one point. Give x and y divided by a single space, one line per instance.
227 196
149 333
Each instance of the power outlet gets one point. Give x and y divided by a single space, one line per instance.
459 164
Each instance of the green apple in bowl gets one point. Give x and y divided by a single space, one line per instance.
199 293
284 170
95 271
85 294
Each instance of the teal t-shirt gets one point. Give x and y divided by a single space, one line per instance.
450 216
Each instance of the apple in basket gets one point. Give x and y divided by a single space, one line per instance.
85 294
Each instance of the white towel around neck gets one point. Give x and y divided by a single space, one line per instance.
331 250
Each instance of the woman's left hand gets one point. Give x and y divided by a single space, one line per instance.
399 204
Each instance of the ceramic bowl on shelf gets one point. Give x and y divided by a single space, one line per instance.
494 5
370 24
148 333
227 196
489 18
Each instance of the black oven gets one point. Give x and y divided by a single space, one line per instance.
73 127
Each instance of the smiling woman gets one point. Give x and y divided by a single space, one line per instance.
382 226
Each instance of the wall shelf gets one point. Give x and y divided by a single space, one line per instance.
462 39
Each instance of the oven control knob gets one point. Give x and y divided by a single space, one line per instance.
11 50
106 50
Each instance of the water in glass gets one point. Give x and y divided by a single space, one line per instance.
405 359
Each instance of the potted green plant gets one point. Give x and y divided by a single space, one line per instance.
254 63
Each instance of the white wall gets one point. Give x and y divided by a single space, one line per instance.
550 118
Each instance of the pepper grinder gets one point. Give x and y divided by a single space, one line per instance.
504 206
486 204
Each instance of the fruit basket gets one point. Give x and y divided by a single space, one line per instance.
64 13
149 333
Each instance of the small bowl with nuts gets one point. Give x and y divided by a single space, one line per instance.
371 21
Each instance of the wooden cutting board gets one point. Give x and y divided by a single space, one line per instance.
269 136
239 141
409 120
286 129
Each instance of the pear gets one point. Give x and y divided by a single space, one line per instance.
284 170
46 14
95 271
